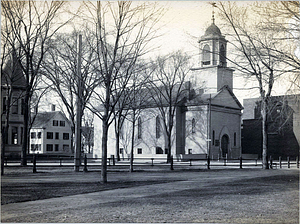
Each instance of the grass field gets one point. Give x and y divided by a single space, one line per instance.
194 196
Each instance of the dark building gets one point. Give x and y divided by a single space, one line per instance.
283 123
13 85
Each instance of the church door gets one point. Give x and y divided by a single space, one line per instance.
224 145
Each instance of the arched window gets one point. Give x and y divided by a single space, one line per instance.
139 128
222 55
157 127
206 55
193 126
213 138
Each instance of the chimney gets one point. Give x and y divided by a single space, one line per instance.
52 107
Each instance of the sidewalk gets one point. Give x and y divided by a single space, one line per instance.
182 199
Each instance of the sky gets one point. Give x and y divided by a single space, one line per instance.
183 23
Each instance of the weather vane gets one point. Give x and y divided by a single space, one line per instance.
213 11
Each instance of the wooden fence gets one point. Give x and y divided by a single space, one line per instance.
207 163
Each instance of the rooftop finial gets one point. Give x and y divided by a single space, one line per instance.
213 11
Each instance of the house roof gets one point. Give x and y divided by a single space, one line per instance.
12 74
43 118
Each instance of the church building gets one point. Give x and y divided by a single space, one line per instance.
208 123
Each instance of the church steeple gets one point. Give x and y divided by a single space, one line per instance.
213 72
213 46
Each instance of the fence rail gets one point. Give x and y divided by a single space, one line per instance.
87 163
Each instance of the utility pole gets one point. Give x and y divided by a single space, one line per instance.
77 160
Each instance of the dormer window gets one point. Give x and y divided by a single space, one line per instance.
206 55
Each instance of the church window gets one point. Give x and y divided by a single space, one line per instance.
222 55
157 127
139 151
193 126
206 55
139 128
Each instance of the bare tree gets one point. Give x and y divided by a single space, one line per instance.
31 24
123 31
60 68
88 133
169 90
253 55
283 18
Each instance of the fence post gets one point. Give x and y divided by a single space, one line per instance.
152 162
297 161
60 161
6 161
256 162
288 160
85 164
208 163
190 162
280 165
34 163
241 163
271 162
225 161
172 168
113 160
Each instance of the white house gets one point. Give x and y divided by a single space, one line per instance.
206 123
51 134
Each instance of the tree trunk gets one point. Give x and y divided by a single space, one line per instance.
132 142
25 133
5 132
169 133
104 150
4 139
117 145
264 134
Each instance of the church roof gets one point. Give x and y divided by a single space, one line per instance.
213 30
206 97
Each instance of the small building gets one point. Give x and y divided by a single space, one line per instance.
207 122
283 121
51 134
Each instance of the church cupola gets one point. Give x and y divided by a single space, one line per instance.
212 73
213 47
